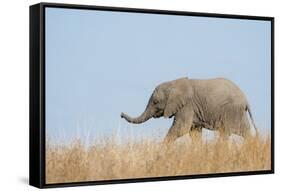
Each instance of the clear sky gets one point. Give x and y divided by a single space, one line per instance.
100 63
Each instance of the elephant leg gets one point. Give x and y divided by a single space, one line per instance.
195 133
176 131
181 126
244 130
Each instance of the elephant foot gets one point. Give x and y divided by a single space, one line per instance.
196 134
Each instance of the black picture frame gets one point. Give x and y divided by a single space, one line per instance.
37 94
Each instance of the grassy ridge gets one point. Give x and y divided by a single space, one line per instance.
109 160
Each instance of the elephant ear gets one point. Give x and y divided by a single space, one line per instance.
178 96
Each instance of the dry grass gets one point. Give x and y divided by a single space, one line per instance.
109 160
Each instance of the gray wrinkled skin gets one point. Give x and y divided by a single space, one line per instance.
215 104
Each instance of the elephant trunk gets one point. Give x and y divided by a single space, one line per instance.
141 119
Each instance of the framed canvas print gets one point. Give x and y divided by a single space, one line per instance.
127 95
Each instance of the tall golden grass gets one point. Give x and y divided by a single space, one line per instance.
109 160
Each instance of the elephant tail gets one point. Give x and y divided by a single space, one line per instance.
252 119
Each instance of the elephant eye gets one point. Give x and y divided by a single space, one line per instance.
155 101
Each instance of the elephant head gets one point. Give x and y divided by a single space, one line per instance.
166 100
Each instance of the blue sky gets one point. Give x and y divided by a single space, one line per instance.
99 64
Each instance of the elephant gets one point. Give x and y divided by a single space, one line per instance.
215 104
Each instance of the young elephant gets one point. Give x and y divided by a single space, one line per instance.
214 104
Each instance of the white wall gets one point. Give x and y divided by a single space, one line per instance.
14 67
